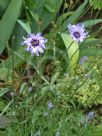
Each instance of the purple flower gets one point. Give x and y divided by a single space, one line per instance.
89 116
77 32
30 89
35 43
50 105
83 59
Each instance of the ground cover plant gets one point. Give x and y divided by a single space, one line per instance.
50 68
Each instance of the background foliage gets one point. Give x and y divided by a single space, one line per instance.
57 76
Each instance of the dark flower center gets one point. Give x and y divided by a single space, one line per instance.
35 42
76 34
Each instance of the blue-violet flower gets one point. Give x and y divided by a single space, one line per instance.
77 32
30 89
83 59
35 43
89 116
50 105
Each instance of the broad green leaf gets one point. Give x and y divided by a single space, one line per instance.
18 57
72 50
49 7
25 25
17 37
3 6
46 14
8 21
90 23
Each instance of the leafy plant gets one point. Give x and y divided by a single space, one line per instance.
45 89
96 4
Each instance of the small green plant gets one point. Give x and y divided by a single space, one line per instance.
96 4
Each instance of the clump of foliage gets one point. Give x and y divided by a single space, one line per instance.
96 4
49 81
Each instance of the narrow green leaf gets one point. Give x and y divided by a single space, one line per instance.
90 42
62 18
6 108
34 15
75 15
91 52
92 22
3 91
23 88
25 25
54 78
